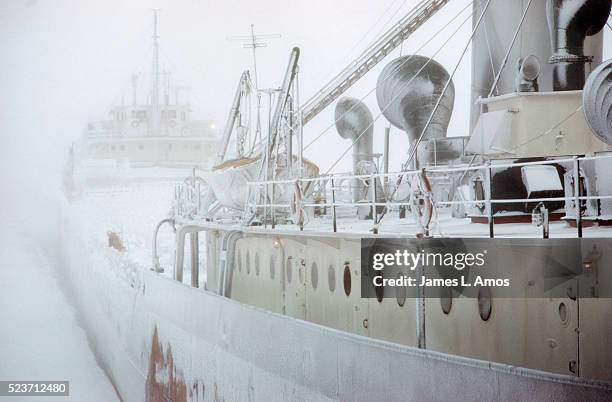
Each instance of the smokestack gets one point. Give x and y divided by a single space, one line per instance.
407 91
407 99
354 120
570 22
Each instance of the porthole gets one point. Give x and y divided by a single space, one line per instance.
289 269
239 261
563 313
347 280
331 278
314 275
485 303
272 266
248 263
400 293
446 299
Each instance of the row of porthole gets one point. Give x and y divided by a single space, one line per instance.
485 300
446 300
331 276
314 272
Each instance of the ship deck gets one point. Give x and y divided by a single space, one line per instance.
447 226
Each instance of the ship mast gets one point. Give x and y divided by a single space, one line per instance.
155 89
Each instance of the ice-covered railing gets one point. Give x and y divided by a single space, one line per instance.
188 197
417 191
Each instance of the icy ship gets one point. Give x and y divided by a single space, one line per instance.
152 137
270 306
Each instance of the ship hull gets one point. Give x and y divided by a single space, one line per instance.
160 339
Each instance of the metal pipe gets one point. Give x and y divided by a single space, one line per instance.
179 254
289 137
300 122
386 150
374 207
228 253
420 313
284 94
570 22
299 204
448 84
231 118
354 121
195 259
272 210
488 193
179 257
333 194
156 267
577 196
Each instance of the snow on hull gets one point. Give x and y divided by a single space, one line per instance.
163 339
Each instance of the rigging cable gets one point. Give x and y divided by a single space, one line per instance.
516 32
368 32
390 74
450 78
395 98
550 130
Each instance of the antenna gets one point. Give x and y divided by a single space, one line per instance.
253 41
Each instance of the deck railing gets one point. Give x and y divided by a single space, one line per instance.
324 193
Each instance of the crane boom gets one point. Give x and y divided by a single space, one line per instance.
370 57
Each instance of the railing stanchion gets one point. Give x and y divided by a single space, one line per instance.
374 211
577 195
272 211
299 202
333 195
488 196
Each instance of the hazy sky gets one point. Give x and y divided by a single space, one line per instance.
64 62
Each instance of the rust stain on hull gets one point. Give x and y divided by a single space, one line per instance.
164 382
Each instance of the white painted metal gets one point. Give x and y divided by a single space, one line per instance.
546 124
235 352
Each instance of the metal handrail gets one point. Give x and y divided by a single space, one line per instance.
373 203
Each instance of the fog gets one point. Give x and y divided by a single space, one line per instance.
66 62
